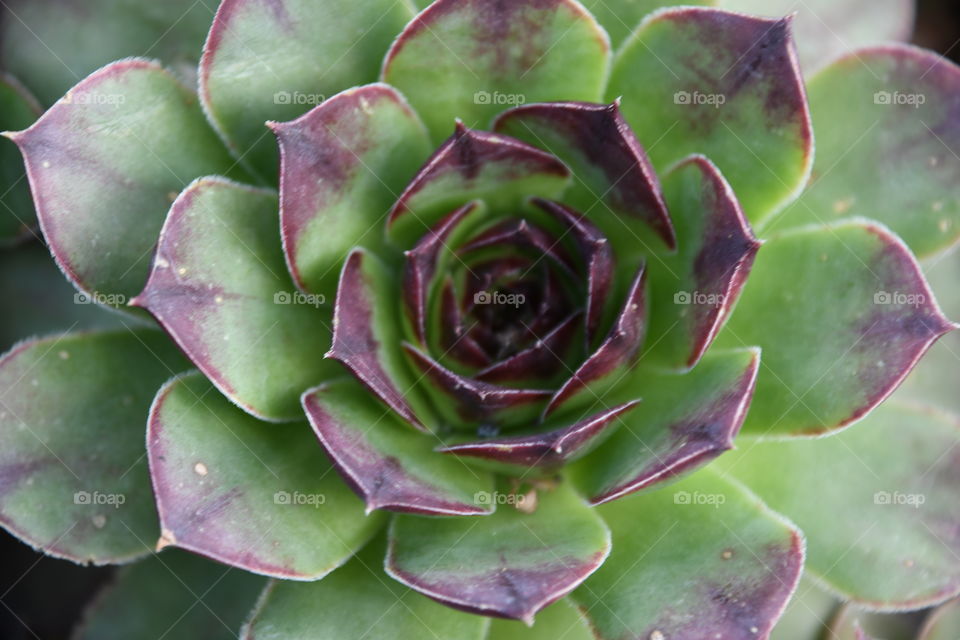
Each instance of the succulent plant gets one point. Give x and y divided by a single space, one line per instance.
499 320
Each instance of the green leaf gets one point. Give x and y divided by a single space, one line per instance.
855 623
739 101
943 623
510 564
683 422
342 166
487 55
72 415
560 621
356 601
176 594
105 163
826 29
896 160
275 59
52 45
877 502
621 17
18 110
706 558
220 288
387 463
842 313
256 496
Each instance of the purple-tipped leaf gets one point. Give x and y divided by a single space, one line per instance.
543 360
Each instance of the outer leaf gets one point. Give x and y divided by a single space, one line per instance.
18 110
254 496
621 17
559 621
220 289
111 155
739 100
854 623
943 623
842 314
684 422
52 45
275 59
388 464
510 564
704 559
342 166
612 169
474 165
703 280
488 54
177 594
907 101
356 601
878 504
827 29
73 474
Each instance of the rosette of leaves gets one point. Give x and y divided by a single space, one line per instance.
456 307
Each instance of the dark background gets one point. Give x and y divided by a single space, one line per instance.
46 595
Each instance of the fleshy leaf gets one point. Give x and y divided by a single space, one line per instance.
943 623
366 334
111 155
73 465
18 110
51 46
842 313
219 287
826 29
878 504
545 449
356 601
342 166
684 422
252 495
698 286
473 165
907 124
488 54
612 169
852 622
176 593
543 359
275 59
706 558
508 565
726 85
388 464
619 351
559 621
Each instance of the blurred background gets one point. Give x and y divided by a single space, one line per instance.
41 597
